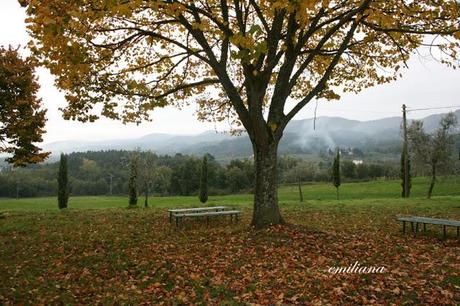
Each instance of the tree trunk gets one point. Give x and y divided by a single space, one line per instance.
433 180
337 192
266 209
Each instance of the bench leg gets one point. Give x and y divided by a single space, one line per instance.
177 222
458 232
404 227
416 229
412 226
207 220
444 231
424 227
170 217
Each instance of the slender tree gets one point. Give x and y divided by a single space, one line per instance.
147 174
22 119
63 183
132 183
336 172
204 180
433 151
239 60
402 174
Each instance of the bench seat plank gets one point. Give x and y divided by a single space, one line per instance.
232 213
430 221
196 209
210 213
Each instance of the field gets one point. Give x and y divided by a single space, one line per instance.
100 252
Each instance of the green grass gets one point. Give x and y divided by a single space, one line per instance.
381 189
100 252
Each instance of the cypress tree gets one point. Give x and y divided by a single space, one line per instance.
132 183
402 173
336 172
63 183
204 180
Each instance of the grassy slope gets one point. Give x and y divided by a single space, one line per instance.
133 256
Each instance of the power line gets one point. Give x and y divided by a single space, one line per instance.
432 108
380 112
360 111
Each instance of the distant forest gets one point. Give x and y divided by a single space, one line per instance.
92 173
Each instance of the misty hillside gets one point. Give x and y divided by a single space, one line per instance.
299 138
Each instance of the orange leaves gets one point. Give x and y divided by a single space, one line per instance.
308 5
325 3
278 4
172 8
123 9
396 291
241 41
381 19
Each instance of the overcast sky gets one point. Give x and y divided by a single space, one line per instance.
425 84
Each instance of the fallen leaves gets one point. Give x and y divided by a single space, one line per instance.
136 257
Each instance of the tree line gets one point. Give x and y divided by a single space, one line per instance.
108 173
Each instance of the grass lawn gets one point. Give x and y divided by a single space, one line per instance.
132 256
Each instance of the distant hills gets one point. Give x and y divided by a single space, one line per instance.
381 135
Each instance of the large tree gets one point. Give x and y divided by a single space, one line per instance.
257 62
22 119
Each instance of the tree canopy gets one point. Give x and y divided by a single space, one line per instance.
133 56
22 119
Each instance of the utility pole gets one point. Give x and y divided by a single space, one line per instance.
406 157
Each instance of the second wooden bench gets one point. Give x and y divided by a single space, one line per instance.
424 220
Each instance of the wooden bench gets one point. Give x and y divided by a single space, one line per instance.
194 210
232 213
425 221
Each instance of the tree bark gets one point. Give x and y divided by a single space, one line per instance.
433 179
266 209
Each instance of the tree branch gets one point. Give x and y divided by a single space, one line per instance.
322 82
